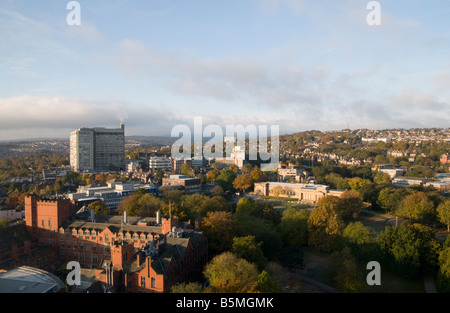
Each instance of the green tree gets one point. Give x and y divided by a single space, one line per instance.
348 277
360 240
187 170
247 248
408 249
227 273
263 231
266 283
225 179
417 206
294 227
443 211
443 276
193 287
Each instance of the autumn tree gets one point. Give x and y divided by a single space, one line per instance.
99 208
220 228
243 182
325 225
212 175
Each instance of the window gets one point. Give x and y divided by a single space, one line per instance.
143 281
153 282
43 222
49 223
107 237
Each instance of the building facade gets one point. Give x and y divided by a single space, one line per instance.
97 149
188 184
124 255
309 193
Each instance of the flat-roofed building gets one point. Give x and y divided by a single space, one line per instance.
160 163
97 149
310 193
189 184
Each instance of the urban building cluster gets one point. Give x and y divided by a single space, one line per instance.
117 254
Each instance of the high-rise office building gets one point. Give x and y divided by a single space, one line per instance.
97 149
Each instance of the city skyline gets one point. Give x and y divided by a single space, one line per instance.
156 64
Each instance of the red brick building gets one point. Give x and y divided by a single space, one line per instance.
138 256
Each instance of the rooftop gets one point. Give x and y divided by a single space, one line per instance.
27 279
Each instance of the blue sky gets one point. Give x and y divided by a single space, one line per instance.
300 64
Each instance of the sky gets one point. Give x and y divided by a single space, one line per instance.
155 64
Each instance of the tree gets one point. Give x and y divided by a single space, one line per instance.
193 287
243 182
390 198
417 206
443 211
356 183
248 249
99 208
220 228
408 249
382 178
212 175
225 179
348 277
256 174
263 231
148 205
443 276
360 240
325 225
266 283
186 169
227 273
217 191
294 227
350 203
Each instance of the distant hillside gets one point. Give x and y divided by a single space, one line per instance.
57 145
